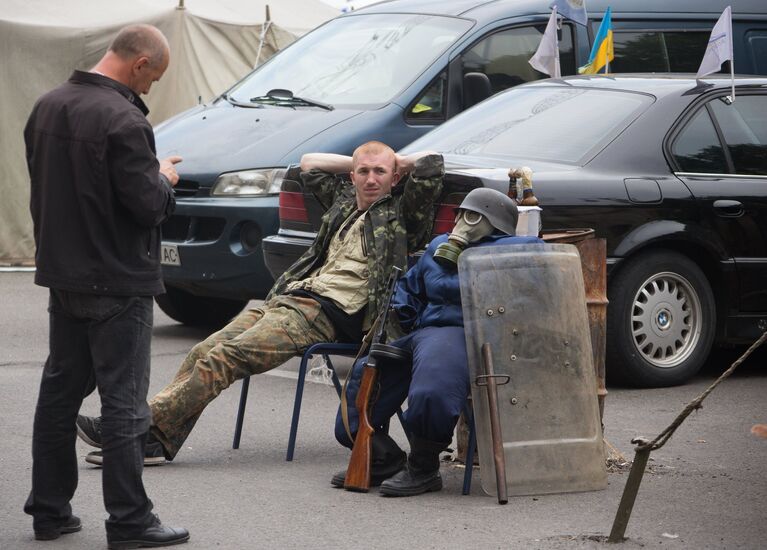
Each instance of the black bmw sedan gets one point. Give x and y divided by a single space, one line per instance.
671 170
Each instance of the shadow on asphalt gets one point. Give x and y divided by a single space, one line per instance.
721 359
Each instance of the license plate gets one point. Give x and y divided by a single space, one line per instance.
169 255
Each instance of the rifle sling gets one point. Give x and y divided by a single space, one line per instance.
363 348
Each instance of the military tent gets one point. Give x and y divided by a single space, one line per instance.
213 44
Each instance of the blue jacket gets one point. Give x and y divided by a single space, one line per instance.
430 295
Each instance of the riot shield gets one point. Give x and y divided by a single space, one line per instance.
527 302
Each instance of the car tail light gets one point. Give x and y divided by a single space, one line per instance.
292 207
445 218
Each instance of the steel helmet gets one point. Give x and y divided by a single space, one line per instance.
499 209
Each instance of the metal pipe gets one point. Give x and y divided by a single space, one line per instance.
495 425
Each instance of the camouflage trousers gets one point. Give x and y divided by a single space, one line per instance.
256 341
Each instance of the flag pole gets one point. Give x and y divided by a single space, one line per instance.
732 54
558 69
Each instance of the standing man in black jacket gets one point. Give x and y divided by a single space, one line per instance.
99 195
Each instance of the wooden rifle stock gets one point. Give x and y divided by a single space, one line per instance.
358 471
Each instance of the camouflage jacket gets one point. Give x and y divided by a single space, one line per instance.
396 225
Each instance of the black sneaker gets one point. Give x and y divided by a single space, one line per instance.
153 456
89 429
72 525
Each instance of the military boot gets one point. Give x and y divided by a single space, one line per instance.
388 459
420 474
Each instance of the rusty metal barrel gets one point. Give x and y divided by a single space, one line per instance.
593 254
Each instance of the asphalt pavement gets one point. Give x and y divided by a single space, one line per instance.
707 488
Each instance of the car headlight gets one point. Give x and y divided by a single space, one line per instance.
249 183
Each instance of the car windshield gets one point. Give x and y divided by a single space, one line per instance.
557 124
355 60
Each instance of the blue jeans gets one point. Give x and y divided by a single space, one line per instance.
436 385
106 339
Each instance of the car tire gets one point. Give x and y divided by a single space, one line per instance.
199 311
660 320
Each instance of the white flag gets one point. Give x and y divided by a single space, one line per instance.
719 47
546 58
572 9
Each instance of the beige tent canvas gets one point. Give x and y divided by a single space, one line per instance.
213 44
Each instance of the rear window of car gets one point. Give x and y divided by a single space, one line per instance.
743 126
698 149
561 124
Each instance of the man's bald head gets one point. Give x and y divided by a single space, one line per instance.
374 148
141 40
374 172
137 57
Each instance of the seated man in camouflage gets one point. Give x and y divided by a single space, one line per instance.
331 292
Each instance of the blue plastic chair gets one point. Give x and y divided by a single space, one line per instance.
325 349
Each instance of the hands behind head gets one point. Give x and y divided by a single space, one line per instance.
403 167
406 163
168 169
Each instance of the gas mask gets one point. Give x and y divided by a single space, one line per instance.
470 227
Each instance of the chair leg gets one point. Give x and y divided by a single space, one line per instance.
241 413
342 350
297 407
469 452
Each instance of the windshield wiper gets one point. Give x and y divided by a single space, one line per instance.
233 101
286 98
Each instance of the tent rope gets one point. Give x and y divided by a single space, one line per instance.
644 447
264 29
696 403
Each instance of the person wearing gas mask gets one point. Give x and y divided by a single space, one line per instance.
435 382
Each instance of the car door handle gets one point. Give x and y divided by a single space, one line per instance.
728 209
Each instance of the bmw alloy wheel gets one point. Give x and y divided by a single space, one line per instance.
666 319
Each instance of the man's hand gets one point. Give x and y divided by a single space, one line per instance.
405 164
168 169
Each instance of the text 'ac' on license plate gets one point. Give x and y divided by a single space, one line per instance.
169 255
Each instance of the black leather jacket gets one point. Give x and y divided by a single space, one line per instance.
97 197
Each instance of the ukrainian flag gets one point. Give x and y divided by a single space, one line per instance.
602 50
